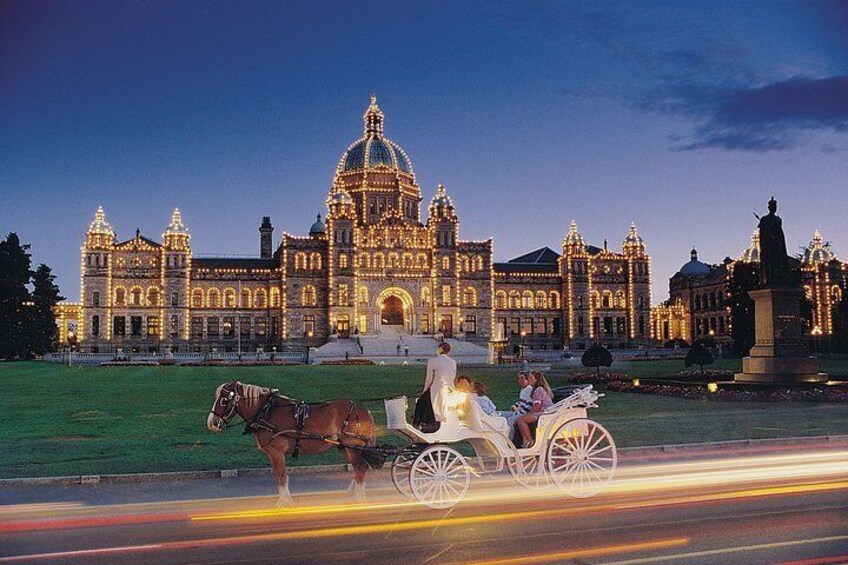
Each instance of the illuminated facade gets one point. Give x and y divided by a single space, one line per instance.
372 262
698 291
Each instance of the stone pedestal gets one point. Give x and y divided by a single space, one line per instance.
779 354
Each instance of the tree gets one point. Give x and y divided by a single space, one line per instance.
14 296
744 278
43 331
597 356
700 355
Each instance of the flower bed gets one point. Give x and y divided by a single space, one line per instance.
735 393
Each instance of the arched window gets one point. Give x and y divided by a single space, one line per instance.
315 261
379 261
308 296
527 299
606 299
579 301
246 301
393 261
836 294
229 298
697 302
197 298
135 296
478 263
260 298
500 300
421 261
446 263
275 297
514 299
425 296
554 301
620 300
541 300
213 298
363 296
299 261
153 296
594 300
469 297
342 261
466 263
95 326
408 261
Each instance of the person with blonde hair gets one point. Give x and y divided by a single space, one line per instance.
542 400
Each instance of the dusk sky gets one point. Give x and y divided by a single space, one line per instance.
684 117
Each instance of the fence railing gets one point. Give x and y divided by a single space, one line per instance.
77 358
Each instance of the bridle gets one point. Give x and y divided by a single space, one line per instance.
228 400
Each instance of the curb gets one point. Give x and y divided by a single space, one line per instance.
627 453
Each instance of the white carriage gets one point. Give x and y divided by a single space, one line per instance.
571 452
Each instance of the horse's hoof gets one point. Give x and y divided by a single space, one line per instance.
283 503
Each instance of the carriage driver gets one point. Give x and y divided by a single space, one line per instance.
430 407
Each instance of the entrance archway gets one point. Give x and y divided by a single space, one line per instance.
391 311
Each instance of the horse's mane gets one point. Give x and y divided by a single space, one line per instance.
253 391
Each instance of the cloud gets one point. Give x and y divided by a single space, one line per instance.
754 118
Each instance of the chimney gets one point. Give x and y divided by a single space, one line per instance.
266 232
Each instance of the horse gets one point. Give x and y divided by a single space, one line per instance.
281 426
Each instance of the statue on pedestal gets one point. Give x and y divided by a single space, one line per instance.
774 262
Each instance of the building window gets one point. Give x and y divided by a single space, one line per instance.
275 298
527 300
229 327
197 298
135 326
607 325
514 326
245 298
342 261
152 326
471 324
119 326
425 323
425 296
308 296
469 297
95 326
153 296
120 296
175 326
309 326
554 301
541 300
197 327
527 327
95 298
446 295
213 298
514 299
343 298
580 329
275 327
541 327
500 300
260 298
244 326
212 327
620 325
641 325
555 326
175 299
445 263
315 261
261 327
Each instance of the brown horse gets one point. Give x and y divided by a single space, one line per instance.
281 426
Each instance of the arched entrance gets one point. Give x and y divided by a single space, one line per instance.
391 311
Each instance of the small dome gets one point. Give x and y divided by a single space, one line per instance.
818 253
633 238
573 238
339 196
318 227
100 225
752 254
176 227
441 198
695 268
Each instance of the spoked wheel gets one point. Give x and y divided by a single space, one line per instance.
527 471
439 477
581 457
400 469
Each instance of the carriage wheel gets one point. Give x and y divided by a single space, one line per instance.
581 457
400 470
439 477
527 471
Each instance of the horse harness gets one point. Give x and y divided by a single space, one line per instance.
301 412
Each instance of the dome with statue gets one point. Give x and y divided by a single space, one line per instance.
752 253
817 252
374 150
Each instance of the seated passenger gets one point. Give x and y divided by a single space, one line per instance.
486 404
522 405
542 400
463 384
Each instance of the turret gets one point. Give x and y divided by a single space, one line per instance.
176 279
633 244
96 275
443 220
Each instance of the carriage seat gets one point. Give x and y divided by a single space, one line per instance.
474 417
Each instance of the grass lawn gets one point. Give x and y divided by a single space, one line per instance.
68 420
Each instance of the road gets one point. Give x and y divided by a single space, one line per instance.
786 507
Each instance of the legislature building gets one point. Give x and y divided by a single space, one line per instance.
373 263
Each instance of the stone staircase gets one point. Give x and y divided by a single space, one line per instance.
392 345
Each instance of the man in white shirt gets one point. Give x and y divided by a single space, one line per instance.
522 406
441 372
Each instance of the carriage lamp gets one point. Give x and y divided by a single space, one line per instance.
635 382
712 387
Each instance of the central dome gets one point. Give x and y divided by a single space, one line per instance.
374 150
